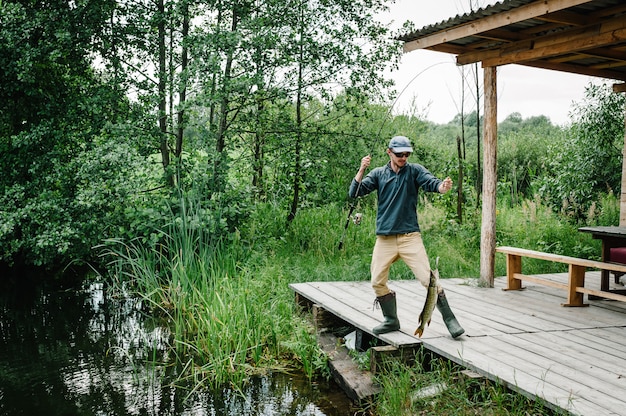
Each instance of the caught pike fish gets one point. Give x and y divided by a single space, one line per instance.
429 304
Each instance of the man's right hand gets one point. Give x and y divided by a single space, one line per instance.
365 162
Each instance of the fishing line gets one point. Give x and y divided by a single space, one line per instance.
358 217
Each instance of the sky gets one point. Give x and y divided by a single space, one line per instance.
430 83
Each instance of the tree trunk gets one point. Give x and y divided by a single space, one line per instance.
184 62
297 169
258 149
165 153
220 166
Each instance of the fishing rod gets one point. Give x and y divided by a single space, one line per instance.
359 216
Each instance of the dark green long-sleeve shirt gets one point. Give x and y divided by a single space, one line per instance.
397 195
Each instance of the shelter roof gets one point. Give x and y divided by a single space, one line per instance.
576 36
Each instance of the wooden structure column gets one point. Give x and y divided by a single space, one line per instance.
622 200
490 146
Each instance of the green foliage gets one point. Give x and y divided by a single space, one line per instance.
440 390
204 287
522 154
71 206
587 162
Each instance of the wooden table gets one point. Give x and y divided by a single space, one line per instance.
611 237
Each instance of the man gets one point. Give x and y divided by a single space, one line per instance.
397 230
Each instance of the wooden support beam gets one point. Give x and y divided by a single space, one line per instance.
488 227
303 302
534 47
622 199
528 11
380 356
577 44
324 319
513 267
576 280
356 383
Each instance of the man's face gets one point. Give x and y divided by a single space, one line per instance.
398 159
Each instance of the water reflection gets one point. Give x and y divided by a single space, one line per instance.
82 352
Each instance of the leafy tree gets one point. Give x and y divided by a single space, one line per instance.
52 104
522 151
587 162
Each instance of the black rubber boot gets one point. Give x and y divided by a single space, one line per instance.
448 317
388 306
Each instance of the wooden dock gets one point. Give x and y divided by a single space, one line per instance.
573 359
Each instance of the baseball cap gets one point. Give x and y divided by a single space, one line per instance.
399 144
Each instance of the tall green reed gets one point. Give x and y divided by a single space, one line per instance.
228 317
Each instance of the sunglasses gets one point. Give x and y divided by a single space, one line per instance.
405 154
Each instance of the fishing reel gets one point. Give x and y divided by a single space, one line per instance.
356 218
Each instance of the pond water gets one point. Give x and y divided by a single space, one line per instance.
68 351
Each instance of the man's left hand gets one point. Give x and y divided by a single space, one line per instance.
445 186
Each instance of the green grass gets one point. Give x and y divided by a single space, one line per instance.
439 388
232 314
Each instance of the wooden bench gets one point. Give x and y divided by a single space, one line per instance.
576 281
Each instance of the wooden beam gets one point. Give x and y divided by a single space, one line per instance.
494 21
622 199
620 88
356 383
576 69
568 18
513 267
571 46
488 227
535 47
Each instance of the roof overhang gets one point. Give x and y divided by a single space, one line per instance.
585 37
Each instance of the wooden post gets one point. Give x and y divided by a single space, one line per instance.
488 228
576 279
513 266
622 203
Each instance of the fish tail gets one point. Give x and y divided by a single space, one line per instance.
419 331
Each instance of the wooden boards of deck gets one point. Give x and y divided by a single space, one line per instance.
357 383
571 358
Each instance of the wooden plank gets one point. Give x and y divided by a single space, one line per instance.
572 358
605 316
539 280
490 320
602 293
558 368
496 365
588 366
358 384
603 338
338 304
512 308
409 303
559 258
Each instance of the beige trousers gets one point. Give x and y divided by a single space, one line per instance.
388 249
